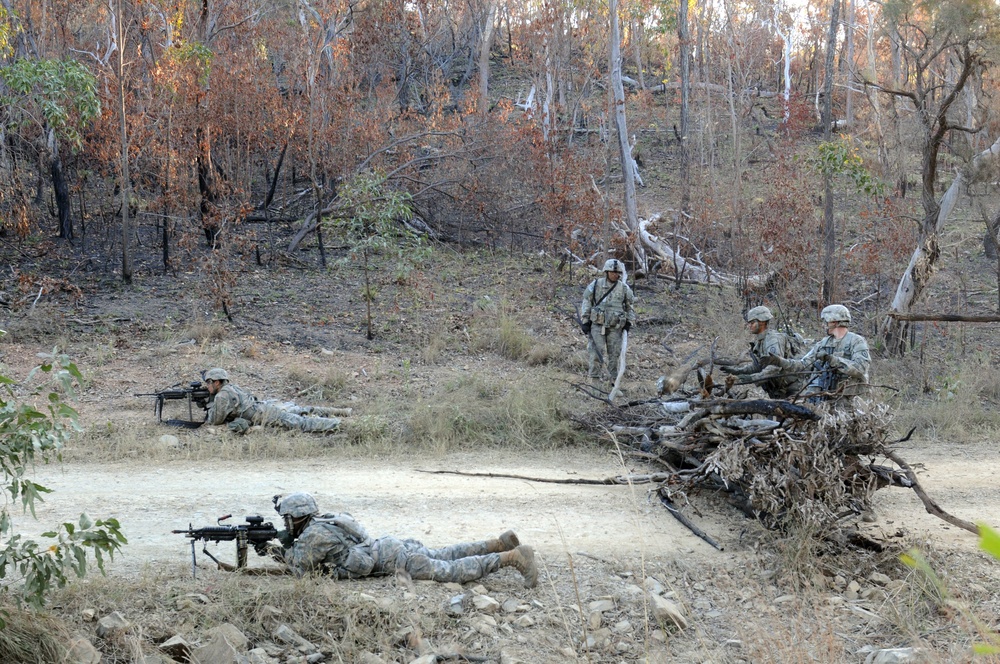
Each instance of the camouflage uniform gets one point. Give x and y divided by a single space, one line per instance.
849 361
238 407
772 379
606 311
338 545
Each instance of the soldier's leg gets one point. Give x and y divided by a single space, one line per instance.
308 424
319 411
597 349
507 541
614 346
421 567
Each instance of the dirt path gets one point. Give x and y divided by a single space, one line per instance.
605 522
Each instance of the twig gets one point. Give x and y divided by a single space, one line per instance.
669 504
616 480
929 504
40 290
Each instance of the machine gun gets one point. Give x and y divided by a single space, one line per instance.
255 532
195 393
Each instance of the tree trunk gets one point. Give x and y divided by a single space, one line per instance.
624 150
849 37
829 223
60 188
126 184
685 65
911 286
484 57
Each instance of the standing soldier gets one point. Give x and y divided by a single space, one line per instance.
766 342
606 312
839 362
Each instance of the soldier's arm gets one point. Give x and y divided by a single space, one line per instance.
221 408
856 367
313 548
585 306
629 304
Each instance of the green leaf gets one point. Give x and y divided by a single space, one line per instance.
989 540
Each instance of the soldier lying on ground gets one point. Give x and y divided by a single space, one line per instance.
337 545
838 363
767 342
237 408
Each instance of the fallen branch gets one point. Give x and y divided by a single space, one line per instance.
687 523
946 318
617 480
929 504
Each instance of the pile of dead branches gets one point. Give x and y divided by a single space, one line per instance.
780 462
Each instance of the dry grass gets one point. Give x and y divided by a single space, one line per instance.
954 403
322 383
31 637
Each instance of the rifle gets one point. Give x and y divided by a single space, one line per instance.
255 531
196 394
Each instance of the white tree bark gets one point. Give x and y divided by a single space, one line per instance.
624 151
922 262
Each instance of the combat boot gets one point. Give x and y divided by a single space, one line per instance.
523 558
508 540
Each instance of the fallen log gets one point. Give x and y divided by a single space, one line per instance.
929 504
686 522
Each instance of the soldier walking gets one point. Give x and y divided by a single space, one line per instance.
606 312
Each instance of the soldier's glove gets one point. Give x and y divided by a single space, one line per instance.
822 355
834 361
239 426
728 370
275 551
586 327
627 326
777 360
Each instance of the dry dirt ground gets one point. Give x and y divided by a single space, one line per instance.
756 601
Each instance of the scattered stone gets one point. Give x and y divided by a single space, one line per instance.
784 599
868 593
453 587
485 604
602 605
268 612
426 659
88 615
622 627
456 605
665 610
287 635
113 622
702 604
177 647
507 657
170 440
485 625
568 653
511 605
82 651
260 656
599 639
839 581
714 613
315 658
199 597
853 588
700 587
524 621
479 589
154 658
879 579
653 586
895 584
232 635
217 651
369 658
895 656
594 620
659 635
819 581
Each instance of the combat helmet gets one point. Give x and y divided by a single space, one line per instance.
613 265
297 505
216 374
762 314
836 313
